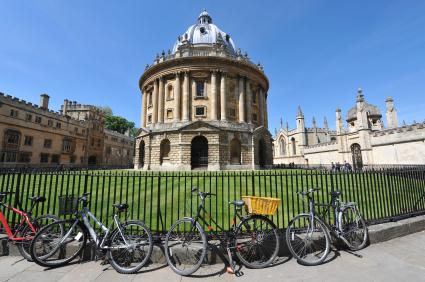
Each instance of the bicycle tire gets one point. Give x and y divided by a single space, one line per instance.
24 245
297 230
43 234
116 237
256 241
345 220
173 254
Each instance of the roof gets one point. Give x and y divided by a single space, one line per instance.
204 32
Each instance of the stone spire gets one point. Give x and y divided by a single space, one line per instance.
281 122
339 123
325 123
314 122
300 112
362 122
301 127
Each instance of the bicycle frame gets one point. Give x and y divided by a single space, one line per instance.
335 203
85 215
201 208
13 236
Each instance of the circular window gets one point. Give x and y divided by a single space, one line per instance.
202 29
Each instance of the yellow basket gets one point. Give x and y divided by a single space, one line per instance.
261 205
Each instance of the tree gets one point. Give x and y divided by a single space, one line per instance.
107 111
118 124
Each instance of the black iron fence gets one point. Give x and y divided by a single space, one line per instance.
161 198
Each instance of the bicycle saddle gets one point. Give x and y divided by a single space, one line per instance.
37 199
335 194
120 207
239 203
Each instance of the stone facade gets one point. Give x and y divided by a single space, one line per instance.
33 135
204 105
364 141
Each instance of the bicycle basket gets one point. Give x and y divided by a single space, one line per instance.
261 205
68 205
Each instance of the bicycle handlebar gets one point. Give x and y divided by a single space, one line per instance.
201 193
84 197
311 190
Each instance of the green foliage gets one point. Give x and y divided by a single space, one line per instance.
118 124
107 111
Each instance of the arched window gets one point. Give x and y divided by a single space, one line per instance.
282 146
164 150
170 92
294 146
235 151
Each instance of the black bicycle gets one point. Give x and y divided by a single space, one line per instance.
309 236
128 246
254 241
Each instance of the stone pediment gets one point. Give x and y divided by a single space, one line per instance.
199 126
142 131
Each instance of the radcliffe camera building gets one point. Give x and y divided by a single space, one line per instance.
204 105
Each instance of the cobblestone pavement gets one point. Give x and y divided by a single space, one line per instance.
401 259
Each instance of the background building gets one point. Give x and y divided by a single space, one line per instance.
204 105
364 141
33 135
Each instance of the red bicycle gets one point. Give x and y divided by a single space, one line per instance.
21 234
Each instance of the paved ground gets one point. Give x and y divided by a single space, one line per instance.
401 259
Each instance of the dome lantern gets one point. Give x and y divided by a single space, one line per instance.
204 18
205 34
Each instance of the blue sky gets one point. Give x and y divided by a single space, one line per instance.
315 53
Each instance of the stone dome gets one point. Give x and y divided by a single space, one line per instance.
204 32
372 110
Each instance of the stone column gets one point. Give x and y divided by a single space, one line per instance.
260 105
223 101
248 102
266 120
161 101
214 95
241 99
185 102
177 98
155 102
144 109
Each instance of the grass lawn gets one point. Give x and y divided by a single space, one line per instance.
378 194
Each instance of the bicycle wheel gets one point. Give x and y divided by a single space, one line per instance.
185 246
27 233
353 228
58 243
130 258
308 240
257 241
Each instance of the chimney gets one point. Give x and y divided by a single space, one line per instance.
65 107
44 101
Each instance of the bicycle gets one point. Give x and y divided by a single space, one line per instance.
308 236
254 241
22 233
128 247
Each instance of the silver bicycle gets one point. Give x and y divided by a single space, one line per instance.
128 246
308 235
